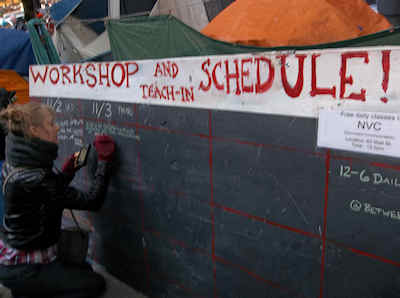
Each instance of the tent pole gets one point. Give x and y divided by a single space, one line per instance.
114 9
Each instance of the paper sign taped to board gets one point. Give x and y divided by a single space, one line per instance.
366 132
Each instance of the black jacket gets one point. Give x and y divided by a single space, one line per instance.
35 197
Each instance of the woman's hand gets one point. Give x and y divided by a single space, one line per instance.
105 147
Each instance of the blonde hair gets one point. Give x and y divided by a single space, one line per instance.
19 118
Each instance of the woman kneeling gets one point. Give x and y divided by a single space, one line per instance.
35 196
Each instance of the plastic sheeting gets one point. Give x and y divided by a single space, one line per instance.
62 9
76 41
270 23
16 52
165 36
191 12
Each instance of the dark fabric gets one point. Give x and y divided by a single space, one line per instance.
3 134
130 7
30 8
158 37
33 153
35 197
18 53
92 9
53 280
5 97
214 7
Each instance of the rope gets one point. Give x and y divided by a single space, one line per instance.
105 19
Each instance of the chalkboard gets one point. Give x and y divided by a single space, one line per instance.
228 204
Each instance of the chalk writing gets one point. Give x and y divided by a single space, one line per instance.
367 208
100 109
55 104
125 111
109 129
368 177
60 106
71 130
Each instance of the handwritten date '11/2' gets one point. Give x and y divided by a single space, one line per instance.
368 177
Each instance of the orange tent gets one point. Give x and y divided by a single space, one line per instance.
270 23
12 81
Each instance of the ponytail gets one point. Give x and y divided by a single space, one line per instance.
18 118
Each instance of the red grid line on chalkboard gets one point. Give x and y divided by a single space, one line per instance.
243 142
323 257
218 259
258 277
138 126
184 245
264 220
284 227
215 138
364 253
240 213
247 271
371 163
211 202
139 175
268 146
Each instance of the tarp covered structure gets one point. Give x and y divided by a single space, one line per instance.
271 23
75 39
80 34
12 81
191 12
61 10
16 52
165 36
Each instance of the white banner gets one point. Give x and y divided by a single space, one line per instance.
289 83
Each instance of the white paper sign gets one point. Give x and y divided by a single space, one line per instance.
366 132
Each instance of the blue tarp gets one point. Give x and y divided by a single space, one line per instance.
62 9
16 52
93 9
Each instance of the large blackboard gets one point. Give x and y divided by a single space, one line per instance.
227 204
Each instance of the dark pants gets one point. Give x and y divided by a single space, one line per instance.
52 280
